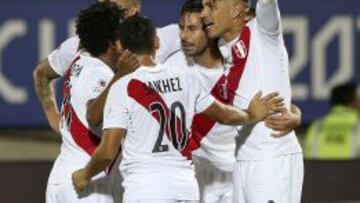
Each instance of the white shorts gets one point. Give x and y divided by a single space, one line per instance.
277 180
65 193
215 186
162 201
61 190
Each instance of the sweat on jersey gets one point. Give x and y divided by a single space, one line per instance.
156 106
216 142
258 60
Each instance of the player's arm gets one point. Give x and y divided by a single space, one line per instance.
44 77
103 156
116 118
259 109
95 107
268 16
285 122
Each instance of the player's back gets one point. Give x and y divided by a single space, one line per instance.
160 103
85 80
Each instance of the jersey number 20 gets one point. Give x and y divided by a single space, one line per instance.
172 125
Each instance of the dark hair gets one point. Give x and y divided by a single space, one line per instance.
97 26
138 35
343 94
192 6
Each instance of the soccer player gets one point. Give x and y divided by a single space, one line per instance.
269 167
214 156
59 61
153 107
86 86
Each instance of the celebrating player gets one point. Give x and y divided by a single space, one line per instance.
269 167
153 107
86 86
214 156
59 61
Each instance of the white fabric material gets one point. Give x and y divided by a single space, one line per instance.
279 179
216 186
217 148
268 16
72 157
141 167
161 201
169 37
89 77
266 69
99 191
60 59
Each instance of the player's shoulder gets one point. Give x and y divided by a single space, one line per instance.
71 44
168 29
178 59
93 67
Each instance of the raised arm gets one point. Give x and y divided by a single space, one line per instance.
44 77
268 16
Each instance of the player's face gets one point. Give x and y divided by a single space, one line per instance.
218 16
193 36
128 6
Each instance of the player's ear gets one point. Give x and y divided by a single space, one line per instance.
134 10
157 43
118 46
237 10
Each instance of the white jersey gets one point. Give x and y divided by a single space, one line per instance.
259 61
61 58
217 146
156 105
79 142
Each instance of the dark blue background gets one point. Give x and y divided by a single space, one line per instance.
20 57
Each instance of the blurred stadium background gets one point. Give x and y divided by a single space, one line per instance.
322 36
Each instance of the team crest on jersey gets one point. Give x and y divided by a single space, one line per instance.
76 69
101 86
240 49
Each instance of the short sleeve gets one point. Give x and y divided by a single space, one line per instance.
169 37
116 111
60 59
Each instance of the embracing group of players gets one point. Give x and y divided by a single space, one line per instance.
195 112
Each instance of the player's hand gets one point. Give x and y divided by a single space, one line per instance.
126 64
262 107
80 180
283 123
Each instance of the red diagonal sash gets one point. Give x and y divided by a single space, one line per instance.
145 96
202 125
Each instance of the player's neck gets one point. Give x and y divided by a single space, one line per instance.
146 60
109 61
209 59
234 31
